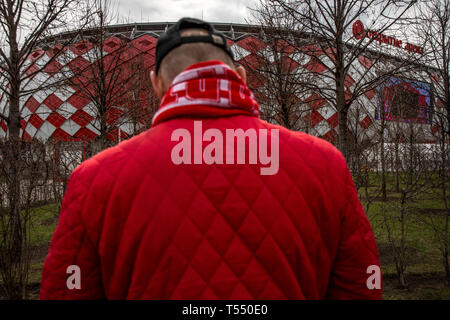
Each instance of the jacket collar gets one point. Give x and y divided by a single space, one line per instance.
206 89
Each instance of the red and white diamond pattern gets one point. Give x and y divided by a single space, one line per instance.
64 114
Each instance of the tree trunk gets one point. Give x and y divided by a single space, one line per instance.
13 255
383 167
343 128
397 169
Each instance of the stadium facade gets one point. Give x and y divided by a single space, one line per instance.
64 113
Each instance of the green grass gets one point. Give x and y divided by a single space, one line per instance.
425 272
43 224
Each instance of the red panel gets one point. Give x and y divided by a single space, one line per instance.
144 43
436 78
370 94
78 64
85 134
366 62
32 104
56 119
146 58
112 44
113 135
112 115
251 44
366 122
56 49
253 61
315 65
315 101
26 136
52 67
31 69
330 136
78 100
284 47
82 47
333 120
348 94
349 81
36 55
254 82
435 128
82 118
312 50
315 118
36 121
289 64
61 135
123 135
53 102
331 53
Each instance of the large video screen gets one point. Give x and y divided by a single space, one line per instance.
404 100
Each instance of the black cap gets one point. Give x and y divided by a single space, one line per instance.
172 38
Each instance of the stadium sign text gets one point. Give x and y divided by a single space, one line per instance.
359 33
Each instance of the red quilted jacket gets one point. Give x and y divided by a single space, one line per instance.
140 226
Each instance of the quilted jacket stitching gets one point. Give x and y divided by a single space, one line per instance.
250 204
147 230
199 189
301 192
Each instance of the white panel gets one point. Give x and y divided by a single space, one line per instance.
43 111
239 52
70 127
90 109
322 128
326 111
30 129
92 128
66 109
127 127
64 93
45 131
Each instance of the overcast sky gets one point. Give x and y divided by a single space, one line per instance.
171 10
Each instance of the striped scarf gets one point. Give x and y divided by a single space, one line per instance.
207 89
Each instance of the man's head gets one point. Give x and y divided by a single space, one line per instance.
188 42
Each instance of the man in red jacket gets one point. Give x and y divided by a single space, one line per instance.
211 202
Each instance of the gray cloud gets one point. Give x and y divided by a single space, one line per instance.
171 10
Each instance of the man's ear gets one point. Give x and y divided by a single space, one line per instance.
157 85
240 70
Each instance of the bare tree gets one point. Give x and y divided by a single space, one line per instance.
432 22
415 171
433 27
438 220
142 102
108 75
275 67
24 23
334 50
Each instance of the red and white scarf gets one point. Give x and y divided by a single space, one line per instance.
207 89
